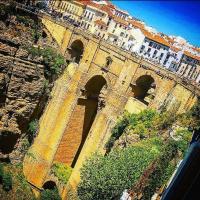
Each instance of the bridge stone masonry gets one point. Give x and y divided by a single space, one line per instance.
99 84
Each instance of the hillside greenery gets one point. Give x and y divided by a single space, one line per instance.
52 60
13 184
144 166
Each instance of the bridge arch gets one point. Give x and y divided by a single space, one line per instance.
50 185
144 89
76 50
90 101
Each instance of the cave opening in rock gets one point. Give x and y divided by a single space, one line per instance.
144 89
7 142
81 121
76 51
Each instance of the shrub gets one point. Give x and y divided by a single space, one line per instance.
7 181
116 132
163 170
62 172
33 126
107 177
51 59
50 194
1 172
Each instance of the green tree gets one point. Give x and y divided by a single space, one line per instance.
107 177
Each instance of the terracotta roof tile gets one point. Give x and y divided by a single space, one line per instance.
136 24
155 37
175 49
120 20
187 53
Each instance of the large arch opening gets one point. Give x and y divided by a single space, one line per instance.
76 51
144 89
82 118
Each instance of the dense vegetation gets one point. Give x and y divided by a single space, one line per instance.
13 184
106 177
50 194
61 171
52 60
144 166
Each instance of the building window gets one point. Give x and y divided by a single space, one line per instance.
149 49
92 17
154 54
161 55
142 48
116 25
88 16
150 44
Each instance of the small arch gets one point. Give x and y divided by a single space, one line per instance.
144 89
108 61
76 51
44 34
50 185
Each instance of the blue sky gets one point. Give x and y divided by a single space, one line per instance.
179 18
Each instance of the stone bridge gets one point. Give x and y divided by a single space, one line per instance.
100 82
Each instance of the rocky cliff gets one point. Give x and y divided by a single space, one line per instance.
21 90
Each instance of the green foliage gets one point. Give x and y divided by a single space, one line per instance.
51 58
141 124
7 181
50 195
184 138
1 171
15 181
117 132
195 115
62 172
192 117
26 20
33 126
165 120
164 169
107 177
5 178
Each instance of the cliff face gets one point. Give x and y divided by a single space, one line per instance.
21 90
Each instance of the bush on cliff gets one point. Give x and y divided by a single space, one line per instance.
51 59
7 181
15 182
61 171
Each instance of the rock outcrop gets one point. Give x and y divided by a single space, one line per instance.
21 90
